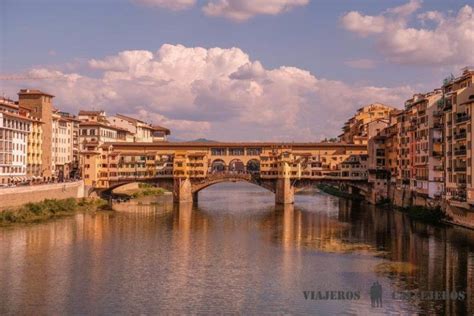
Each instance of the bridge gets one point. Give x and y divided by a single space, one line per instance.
187 168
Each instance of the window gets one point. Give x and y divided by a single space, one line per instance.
218 151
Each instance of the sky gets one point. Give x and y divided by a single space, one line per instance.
255 70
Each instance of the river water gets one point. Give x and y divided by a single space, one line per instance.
235 252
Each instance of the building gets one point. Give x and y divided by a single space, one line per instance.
112 162
458 152
34 151
40 105
426 144
139 130
160 133
74 165
14 130
63 145
356 129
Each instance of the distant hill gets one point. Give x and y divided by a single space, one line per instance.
204 140
198 140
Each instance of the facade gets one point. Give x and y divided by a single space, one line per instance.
40 105
14 130
356 129
34 150
63 142
458 152
427 180
112 162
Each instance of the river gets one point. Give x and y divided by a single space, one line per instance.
235 252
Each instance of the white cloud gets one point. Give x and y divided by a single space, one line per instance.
216 93
241 10
449 42
168 4
361 63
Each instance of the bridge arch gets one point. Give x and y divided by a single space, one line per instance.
236 165
218 166
167 185
253 166
231 177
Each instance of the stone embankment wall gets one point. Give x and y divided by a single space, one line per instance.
17 196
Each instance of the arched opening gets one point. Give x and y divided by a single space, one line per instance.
218 166
253 166
236 166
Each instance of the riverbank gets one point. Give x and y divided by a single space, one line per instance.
140 190
434 216
337 192
49 209
16 197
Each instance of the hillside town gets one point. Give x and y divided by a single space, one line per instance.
418 155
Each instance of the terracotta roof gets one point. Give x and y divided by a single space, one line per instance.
161 129
33 92
85 112
270 145
128 118
16 116
88 123
9 103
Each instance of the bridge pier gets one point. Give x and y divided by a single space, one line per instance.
182 190
284 191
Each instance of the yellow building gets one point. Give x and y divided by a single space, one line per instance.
34 150
356 129
124 161
40 105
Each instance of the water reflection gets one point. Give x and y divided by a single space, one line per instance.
233 252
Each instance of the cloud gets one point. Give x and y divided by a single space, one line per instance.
241 10
361 63
168 4
448 42
219 93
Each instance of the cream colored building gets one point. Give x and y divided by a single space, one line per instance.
63 142
14 130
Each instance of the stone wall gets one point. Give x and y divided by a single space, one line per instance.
17 196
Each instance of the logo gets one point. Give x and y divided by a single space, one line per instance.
376 294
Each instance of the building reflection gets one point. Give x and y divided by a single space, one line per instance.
220 246
420 256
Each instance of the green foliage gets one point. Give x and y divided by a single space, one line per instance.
148 190
425 214
336 192
35 212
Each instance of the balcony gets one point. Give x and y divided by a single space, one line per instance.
460 168
460 136
437 140
438 125
460 152
438 168
437 154
438 179
462 118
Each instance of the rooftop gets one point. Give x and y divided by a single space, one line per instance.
33 92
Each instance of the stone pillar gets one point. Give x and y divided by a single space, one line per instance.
182 191
285 192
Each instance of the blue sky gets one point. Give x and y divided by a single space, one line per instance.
316 37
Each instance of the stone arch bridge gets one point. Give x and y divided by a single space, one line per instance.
187 168
186 190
